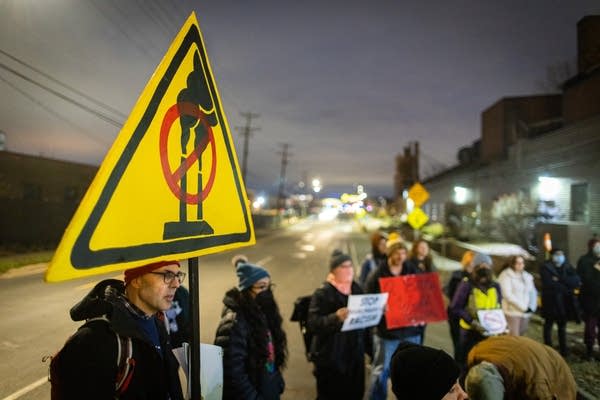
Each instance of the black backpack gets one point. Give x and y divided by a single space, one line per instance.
300 315
125 362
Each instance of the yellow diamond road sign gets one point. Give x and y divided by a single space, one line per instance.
418 194
170 186
417 218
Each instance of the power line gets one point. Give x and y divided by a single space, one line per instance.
51 111
66 86
120 29
66 98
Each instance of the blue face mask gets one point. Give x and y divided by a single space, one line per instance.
558 259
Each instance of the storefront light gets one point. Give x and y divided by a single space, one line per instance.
460 194
548 188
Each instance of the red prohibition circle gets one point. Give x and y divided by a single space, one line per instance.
173 177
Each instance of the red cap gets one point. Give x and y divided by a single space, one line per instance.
136 272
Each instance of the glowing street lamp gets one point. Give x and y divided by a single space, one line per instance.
316 185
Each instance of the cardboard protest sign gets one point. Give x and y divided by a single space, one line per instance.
413 300
365 310
493 321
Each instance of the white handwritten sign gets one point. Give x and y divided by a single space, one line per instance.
492 320
365 310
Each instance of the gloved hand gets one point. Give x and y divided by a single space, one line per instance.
478 327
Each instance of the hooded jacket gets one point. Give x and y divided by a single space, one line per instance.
90 354
240 333
529 370
518 292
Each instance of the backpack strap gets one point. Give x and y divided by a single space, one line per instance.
125 363
125 360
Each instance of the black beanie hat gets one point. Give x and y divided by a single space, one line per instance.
337 258
421 372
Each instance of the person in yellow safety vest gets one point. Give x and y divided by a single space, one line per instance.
478 292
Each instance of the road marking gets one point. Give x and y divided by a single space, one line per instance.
27 389
308 247
264 260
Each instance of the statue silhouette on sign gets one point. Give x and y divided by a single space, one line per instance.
196 116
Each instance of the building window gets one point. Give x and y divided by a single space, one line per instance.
579 202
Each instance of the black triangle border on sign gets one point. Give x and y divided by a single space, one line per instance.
82 256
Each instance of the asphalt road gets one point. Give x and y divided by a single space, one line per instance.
35 322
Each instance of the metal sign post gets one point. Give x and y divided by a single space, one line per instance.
194 277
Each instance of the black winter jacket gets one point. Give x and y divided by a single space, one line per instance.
372 286
590 284
244 376
558 291
331 348
91 353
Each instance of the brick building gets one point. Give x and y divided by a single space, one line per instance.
541 152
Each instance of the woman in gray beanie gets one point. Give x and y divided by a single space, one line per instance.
250 333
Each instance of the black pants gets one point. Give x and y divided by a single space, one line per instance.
454 325
333 385
468 339
562 334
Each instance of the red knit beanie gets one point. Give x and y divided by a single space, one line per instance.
136 272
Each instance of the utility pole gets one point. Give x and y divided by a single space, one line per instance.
284 161
247 131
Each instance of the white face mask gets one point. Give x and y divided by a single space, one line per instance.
558 259
596 249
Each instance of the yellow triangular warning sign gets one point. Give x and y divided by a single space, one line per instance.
170 186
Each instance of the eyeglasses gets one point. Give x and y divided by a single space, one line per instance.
264 286
168 276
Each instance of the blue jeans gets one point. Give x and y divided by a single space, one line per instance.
383 351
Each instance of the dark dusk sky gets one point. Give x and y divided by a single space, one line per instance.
347 84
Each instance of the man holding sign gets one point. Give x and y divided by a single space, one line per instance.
338 355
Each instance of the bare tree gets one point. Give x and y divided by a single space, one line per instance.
556 75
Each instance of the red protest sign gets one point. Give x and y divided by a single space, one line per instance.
413 300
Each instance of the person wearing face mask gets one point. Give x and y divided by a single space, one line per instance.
253 341
338 356
478 292
559 302
588 268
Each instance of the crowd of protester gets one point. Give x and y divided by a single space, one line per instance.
150 309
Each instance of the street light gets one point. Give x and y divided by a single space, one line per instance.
316 185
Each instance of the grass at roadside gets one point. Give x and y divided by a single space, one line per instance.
18 260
